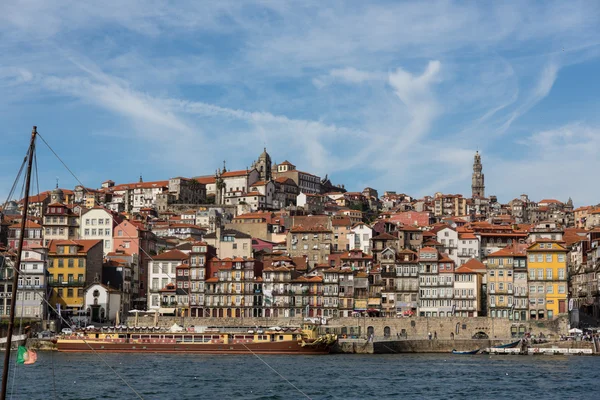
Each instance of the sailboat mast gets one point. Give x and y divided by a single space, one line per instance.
16 267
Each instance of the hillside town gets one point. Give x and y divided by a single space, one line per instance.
275 241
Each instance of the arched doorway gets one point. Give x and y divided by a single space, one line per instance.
370 331
387 332
480 335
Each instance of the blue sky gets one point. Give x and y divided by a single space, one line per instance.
392 95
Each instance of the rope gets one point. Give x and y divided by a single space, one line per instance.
87 343
15 370
53 377
9 345
274 370
22 274
110 214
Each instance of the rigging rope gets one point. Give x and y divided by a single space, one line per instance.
274 370
25 214
14 301
164 272
24 274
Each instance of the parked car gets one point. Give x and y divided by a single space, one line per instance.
45 334
66 331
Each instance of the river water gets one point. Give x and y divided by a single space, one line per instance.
398 376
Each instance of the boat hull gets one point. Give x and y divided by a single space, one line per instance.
465 352
291 347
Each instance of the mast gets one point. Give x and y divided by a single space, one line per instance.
16 267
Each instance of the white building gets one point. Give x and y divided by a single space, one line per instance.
467 284
360 237
33 287
98 223
102 302
266 189
448 237
161 272
468 247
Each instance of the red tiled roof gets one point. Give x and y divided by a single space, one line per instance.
171 255
474 264
85 245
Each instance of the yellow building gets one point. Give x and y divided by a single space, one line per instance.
547 279
72 266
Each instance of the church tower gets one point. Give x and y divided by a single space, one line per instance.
477 184
263 166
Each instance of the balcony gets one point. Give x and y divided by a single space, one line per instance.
31 287
168 304
70 284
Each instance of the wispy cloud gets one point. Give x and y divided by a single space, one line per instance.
398 94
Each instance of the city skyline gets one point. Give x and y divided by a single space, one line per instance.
369 95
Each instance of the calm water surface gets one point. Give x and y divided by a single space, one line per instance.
398 376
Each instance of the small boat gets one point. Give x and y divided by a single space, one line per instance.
507 345
465 352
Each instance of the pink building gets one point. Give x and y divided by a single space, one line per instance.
133 238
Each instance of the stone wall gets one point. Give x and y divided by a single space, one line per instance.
432 346
411 328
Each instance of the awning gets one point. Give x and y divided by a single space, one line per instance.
166 310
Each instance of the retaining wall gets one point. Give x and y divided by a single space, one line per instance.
411 328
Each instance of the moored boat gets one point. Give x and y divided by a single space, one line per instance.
465 352
507 345
209 341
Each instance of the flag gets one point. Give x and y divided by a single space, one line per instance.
32 357
25 356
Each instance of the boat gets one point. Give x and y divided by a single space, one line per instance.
465 352
507 345
304 340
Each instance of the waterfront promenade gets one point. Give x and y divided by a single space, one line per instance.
450 328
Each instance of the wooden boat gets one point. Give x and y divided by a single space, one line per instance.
209 341
507 345
465 352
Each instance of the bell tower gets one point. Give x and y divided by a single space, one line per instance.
478 180
263 166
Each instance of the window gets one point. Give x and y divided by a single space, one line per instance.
100 221
492 272
107 232
69 292
561 289
561 274
234 246
540 258
120 233
532 273
549 258
532 258
71 263
561 258
80 278
540 273
532 289
549 289
549 273
86 232
94 232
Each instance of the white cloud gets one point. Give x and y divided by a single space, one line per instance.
179 91
557 165
417 95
